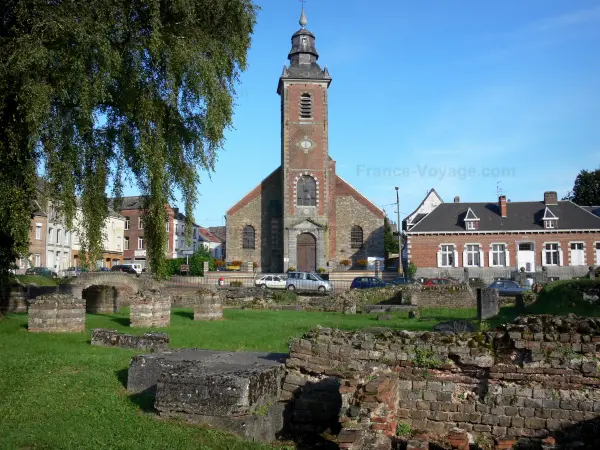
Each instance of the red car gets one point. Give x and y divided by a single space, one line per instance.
439 282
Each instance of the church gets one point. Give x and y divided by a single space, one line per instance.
304 216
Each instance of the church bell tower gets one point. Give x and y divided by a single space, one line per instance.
308 172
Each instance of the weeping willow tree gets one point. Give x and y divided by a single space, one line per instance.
97 93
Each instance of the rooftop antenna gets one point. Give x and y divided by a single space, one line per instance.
498 188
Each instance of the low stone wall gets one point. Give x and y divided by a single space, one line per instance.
531 379
454 296
112 338
56 313
208 306
151 310
14 299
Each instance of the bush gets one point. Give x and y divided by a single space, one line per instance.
219 263
362 263
411 270
565 293
346 262
196 263
236 263
321 270
291 269
285 297
236 284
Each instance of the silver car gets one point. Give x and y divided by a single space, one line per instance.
307 281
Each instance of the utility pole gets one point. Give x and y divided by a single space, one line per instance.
399 230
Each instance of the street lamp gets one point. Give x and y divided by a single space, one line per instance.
399 231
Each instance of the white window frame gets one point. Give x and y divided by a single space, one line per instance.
558 254
497 252
38 260
58 236
38 231
597 253
140 223
140 241
470 225
448 253
549 224
127 223
479 253
168 226
583 248
126 243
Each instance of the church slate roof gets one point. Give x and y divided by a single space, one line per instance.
593 209
312 71
522 216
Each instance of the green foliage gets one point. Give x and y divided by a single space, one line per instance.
426 359
586 190
285 297
112 92
411 270
565 293
196 263
236 283
403 430
390 241
321 270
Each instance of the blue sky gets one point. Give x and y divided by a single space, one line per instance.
456 96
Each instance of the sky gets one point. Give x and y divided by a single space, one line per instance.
464 96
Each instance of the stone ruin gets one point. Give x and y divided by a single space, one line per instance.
234 391
208 306
150 309
112 338
101 299
57 313
14 299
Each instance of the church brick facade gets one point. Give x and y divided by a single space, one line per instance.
304 215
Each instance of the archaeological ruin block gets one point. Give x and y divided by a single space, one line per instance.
14 299
151 310
112 338
488 303
208 306
101 300
56 313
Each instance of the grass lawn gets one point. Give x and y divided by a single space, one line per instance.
59 392
37 279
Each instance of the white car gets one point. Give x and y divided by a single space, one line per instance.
270 281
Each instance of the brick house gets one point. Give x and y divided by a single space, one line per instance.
496 239
221 234
303 214
134 241
37 242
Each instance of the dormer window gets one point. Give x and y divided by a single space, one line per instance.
471 221
305 106
550 220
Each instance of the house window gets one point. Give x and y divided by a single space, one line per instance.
472 256
140 224
140 243
38 232
248 237
498 255
306 191
126 243
447 256
550 224
305 106
470 225
168 226
38 260
127 223
356 237
551 254
57 237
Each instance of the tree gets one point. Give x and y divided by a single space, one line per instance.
586 190
97 93
390 241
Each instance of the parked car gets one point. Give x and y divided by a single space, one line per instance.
439 282
73 271
368 282
127 268
42 271
307 281
271 281
404 280
508 288
103 269
136 267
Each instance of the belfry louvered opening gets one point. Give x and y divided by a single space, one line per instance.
306 106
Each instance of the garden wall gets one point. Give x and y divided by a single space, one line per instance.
534 378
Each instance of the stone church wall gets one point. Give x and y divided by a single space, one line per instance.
249 214
351 212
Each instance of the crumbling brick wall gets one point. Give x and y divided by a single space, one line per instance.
56 313
529 379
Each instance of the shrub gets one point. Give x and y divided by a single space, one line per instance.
291 269
321 270
403 430
362 263
564 293
219 263
285 297
346 262
236 284
236 263
411 270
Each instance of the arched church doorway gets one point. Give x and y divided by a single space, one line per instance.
307 253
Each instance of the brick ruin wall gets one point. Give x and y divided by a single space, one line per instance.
56 313
531 379
150 309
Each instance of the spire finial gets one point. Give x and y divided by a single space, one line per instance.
303 21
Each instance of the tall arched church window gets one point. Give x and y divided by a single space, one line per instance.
356 237
248 239
306 191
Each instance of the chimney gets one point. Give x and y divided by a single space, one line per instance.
550 198
502 205
457 199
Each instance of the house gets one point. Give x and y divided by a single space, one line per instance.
183 247
221 234
37 238
58 240
213 243
113 232
495 239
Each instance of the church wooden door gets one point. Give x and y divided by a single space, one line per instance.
307 253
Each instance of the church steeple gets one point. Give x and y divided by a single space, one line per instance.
303 56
